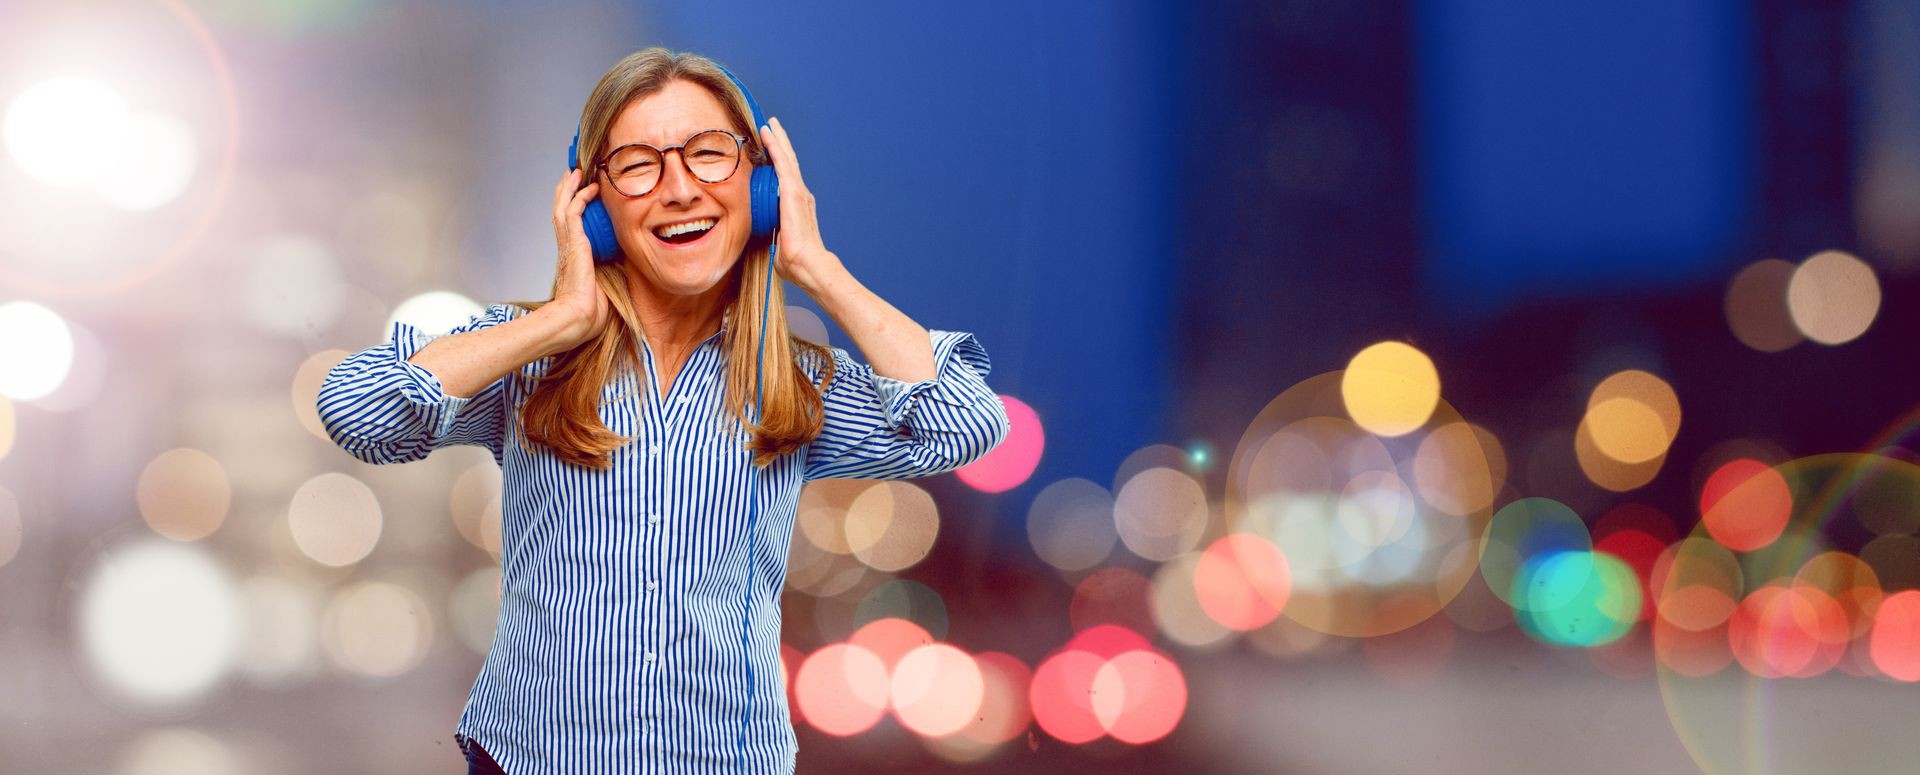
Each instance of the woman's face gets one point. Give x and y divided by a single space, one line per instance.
663 119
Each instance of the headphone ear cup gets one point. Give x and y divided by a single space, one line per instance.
599 228
764 192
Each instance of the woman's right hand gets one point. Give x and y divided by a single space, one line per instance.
574 287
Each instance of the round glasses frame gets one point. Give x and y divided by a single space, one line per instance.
739 147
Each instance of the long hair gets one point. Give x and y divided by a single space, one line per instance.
562 413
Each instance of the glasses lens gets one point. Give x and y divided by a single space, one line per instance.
634 169
712 155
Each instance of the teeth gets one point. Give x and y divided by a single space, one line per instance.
677 229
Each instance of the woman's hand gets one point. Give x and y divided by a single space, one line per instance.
574 288
803 259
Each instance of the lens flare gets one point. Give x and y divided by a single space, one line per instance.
1366 523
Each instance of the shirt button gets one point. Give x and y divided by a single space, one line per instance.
655 449
654 517
653 585
650 656
684 399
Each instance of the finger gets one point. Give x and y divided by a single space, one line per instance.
560 193
786 145
781 150
582 197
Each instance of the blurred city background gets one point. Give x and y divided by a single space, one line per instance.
1477 386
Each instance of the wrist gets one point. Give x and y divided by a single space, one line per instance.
821 275
564 326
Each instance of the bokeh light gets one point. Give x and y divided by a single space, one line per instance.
36 348
8 426
184 494
280 638
474 504
1605 471
1008 465
1459 468
842 689
890 639
1745 505
1756 306
1062 696
431 313
1070 524
474 608
55 129
1896 636
891 526
904 599
12 528
180 751
158 621
1525 533
1004 710
1118 596
1578 598
1160 513
1633 416
86 379
1367 555
936 690
1242 581
801 322
1834 297
1176 605
1139 696
377 629
305 390
1390 388
149 164
335 519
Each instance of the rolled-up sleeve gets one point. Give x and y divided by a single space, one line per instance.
382 409
878 427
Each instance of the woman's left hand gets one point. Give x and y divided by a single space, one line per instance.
803 259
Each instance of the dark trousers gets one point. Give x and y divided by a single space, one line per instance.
478 762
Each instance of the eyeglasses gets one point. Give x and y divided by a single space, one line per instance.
710 156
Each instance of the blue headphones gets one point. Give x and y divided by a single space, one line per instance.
764 198
763 191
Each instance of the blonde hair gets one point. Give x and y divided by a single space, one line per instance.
562 413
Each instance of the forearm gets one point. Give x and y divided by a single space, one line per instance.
894 345
466 363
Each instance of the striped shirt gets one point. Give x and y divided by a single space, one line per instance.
618 647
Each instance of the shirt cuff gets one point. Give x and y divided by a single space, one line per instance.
436 410
958 359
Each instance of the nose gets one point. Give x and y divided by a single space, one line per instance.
677 187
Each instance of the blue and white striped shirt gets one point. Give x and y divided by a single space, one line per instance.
618 647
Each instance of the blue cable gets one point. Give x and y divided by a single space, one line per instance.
753 503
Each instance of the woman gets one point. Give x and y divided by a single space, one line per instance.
632 628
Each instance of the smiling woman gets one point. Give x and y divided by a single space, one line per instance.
646 513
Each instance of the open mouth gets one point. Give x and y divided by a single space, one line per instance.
685 232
